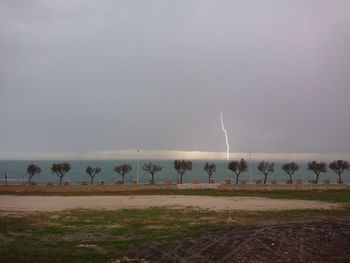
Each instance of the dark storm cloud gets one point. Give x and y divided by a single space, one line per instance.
80 76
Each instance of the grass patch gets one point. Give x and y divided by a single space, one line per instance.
100 235
92 235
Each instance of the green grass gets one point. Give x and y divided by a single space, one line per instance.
58 236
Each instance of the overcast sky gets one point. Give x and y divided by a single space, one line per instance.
103 76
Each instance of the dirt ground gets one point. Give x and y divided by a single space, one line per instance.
312 242
58 203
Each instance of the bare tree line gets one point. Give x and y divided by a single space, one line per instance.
182 166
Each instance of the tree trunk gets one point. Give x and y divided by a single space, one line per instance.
123 178
317 175
237 175
152 178
339 179
181 178
61 180
30 179
265 179
92 180
209 180
290 179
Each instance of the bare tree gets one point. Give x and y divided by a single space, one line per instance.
60 169
32 170
210 168
339 167
238 167
181 166
266 168
122 169
92 172
290 169
152 169
317 168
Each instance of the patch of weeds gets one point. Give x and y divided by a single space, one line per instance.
99 235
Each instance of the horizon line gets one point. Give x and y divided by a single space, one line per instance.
139 154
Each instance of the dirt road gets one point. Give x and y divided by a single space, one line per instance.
58 203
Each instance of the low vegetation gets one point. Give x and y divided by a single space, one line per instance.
100 236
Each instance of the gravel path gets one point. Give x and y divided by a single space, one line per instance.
58 203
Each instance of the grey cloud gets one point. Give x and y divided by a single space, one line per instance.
89 75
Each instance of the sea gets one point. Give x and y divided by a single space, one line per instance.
16 172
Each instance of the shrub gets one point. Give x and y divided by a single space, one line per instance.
299 181
84 182
243 182
326 181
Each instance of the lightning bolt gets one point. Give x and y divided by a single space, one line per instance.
225 132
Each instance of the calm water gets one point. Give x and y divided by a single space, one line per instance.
17 172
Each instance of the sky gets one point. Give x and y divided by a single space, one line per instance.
100 79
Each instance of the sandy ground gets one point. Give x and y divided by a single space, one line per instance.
59 203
